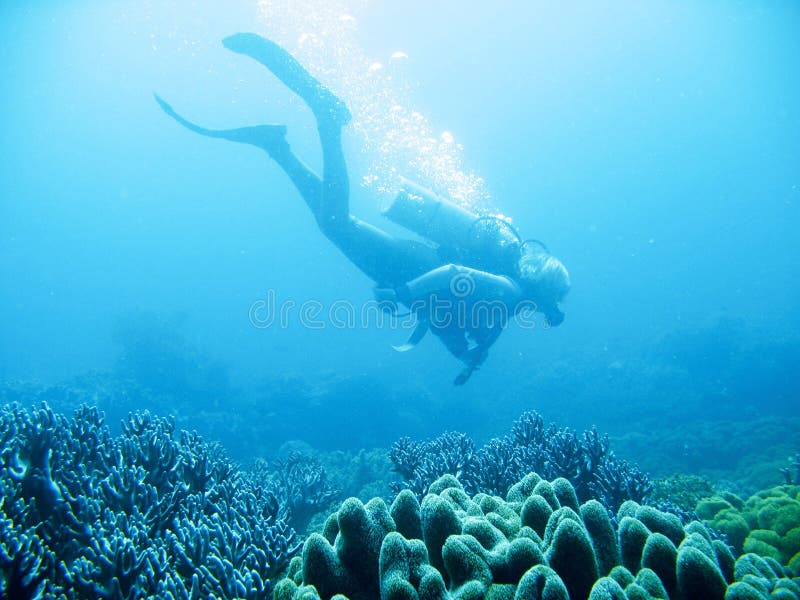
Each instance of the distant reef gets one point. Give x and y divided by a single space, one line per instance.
746 454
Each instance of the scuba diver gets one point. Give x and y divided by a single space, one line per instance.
462 284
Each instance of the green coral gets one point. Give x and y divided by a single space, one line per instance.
537 544
767 524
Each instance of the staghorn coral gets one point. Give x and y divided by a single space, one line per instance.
585 460
533 544
422 463
85 514
301 481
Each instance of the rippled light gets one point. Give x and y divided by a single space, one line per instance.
397 140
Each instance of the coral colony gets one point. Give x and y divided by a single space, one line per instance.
543 513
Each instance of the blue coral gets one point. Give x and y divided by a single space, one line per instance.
300 480
422 463
88 514
585 460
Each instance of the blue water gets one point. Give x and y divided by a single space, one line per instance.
655 147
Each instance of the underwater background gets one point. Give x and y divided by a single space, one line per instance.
654 147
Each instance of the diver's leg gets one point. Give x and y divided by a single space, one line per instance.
331 114
376 253
379 255
304 179
285 67
382 257
335 210
385 259
271 139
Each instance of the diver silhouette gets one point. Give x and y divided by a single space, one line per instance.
463 283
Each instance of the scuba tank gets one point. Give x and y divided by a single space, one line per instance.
487 241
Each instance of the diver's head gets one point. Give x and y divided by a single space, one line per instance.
544 280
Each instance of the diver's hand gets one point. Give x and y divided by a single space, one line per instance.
553 318
464 376
473 358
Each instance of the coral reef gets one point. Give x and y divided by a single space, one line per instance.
584 460
679 494
768 523
363 474
301 481
538 543
682 490
85 514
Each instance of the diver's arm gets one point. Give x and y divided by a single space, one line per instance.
462 282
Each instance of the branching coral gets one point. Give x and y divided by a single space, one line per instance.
301 481
87 514
585 460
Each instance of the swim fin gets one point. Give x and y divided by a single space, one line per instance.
416 337
322 102
271 138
